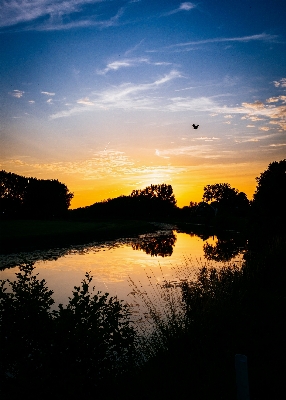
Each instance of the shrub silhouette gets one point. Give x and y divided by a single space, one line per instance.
85 343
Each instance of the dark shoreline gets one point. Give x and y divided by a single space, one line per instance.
29 235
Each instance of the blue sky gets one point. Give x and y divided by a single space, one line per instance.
102 95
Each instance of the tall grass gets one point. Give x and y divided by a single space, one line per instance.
222 312
179 342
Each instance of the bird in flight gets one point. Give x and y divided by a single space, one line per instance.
195 126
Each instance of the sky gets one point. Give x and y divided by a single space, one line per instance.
102 94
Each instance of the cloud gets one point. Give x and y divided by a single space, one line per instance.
257 105
264 128
158 154
242 39
102 165
190 103
186 6
206 138
48 93
203 151
115 65
254 118
255 138
280 83
17 93
276 99
127 63
149 96
53 14
82 23
85 102
125 96
134 48
31 101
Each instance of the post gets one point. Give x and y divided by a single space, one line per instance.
241 377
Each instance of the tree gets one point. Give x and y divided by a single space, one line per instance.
161 192
222 197
219 192
31 197
46 198
269 197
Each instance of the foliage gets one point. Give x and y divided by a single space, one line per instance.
161 192
161 245
31 197
269 197
225 248
155 201
220 192
225 198
228 311
87 342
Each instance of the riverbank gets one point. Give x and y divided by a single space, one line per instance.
225 312
28 235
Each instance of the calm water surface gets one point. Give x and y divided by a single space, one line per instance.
112 263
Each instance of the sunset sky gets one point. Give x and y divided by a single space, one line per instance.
102 94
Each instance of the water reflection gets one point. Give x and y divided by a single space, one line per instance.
160 243
225 248
167 256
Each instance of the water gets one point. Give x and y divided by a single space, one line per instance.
111 264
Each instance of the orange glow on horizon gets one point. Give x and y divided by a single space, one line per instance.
187 187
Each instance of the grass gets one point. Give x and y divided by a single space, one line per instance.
189 352
21 235
228 311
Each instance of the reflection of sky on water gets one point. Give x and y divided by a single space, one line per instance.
111 267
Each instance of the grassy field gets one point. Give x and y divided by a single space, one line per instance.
16 235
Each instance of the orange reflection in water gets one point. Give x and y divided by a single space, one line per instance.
112 267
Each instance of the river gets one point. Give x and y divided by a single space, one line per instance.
167 255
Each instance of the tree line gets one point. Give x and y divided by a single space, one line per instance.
37 198
155 201
32 198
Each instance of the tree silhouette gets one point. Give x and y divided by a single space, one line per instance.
161 192
161 245
31 197
222 197
269 197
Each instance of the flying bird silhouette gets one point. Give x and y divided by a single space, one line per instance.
195 126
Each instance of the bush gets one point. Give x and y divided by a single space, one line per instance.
78 346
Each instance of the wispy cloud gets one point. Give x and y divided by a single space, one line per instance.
53 14
149 96
48 93
281 83
129 62
102 165
125 96
255 138
85 101
186 6
203 151
17 93
125 63
264 37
